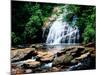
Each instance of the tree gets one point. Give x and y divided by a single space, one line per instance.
86 21
27 20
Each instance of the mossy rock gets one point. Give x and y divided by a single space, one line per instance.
64 59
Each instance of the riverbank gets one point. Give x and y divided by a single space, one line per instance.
37 58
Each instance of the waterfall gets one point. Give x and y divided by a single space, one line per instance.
61 32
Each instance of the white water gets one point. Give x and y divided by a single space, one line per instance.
61 32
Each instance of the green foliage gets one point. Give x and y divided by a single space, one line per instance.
15 39
89 34
28 18
27 21
85 22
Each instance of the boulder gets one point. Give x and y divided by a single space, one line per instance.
28 71
74 61
91 44
83 56
64 59
47 59
17 71
69 48
80 48
45 56
74 50
20 54
55 69
36 46
31 64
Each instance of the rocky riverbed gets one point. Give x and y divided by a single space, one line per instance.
36 58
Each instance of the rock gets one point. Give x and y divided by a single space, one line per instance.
32 46
13 48
93 52
36 46
72 51
41 54
21 46
69 48
17 71
83 56
31 64
28 71
62 59
46 59
60 53
46 65
19 54
52 18
80 48
88 49
74 61
56 10
45 56
55 69
91 44
75 50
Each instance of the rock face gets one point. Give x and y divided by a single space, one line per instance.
19 54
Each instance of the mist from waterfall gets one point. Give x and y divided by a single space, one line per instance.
61 32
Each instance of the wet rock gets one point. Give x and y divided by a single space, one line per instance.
77 51
31 64
45 56
32 46
55 69
91 44
60 53
93 53
69 48
28 71
47 59
46 65
80 48
73 50
69 51
36 46
83 56
62 59
17 71
74 61
41 54
20 54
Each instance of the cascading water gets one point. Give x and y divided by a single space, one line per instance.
61 32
